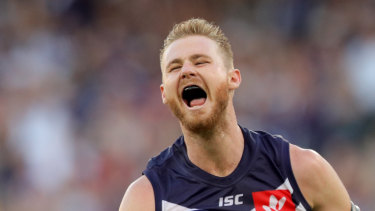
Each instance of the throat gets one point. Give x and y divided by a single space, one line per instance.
221 170
220 166
219 157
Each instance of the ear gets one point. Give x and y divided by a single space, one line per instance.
234 79
164 99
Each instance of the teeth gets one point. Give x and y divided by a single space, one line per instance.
190 87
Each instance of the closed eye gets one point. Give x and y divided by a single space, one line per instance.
174 68
201 63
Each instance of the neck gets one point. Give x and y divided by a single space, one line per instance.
219 150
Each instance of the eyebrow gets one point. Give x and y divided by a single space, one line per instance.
197 56
174 61
193 57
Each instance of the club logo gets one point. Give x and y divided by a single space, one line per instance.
273 200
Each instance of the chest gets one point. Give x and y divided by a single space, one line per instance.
250 193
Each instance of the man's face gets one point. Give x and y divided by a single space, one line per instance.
195 82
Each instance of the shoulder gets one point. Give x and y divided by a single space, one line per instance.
266 139
273 146
138 196
318 181
166 155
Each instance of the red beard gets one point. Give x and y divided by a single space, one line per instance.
201 124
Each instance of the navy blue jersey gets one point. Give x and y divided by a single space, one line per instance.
262 181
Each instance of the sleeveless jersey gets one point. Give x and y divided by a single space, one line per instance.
262 181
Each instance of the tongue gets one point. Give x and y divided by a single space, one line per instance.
197 102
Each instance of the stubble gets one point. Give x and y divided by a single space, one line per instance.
205 123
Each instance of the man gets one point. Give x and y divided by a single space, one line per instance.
217 164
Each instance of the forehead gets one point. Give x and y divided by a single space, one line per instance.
191 45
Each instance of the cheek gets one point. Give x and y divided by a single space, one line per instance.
170 89
218 80
220 91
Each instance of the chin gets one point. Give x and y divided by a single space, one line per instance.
205 118
200 123
203 123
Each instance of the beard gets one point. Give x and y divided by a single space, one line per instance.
204 123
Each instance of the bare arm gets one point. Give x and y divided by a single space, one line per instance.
318 181
139 196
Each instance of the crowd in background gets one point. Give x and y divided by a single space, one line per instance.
80 104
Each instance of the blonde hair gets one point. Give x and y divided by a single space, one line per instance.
198 26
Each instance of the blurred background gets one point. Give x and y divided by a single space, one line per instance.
80 106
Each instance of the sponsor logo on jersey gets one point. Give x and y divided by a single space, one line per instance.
273 200
231 200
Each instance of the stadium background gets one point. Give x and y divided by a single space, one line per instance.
80 106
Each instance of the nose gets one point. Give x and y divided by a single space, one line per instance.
188 71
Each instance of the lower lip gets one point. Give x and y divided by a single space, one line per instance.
195 107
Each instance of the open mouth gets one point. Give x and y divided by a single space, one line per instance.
194 96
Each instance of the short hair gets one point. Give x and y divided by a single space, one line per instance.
198 26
